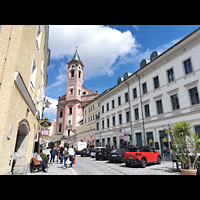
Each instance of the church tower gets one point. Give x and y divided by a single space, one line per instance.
70 105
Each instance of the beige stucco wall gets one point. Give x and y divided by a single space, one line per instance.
18 46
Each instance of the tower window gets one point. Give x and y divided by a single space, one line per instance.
72 73
79 74
70 111
60 127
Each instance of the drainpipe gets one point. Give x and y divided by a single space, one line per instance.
144 142
129 109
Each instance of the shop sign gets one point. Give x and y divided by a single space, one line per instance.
150 141
117 131
121 137
45 124
164 139
45 132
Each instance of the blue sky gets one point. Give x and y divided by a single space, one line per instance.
106 51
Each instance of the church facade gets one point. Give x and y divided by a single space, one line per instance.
70 105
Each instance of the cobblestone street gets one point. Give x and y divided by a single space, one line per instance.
55 169
89 166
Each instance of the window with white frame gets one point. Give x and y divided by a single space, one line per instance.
33 73
188 66
194 96
39 36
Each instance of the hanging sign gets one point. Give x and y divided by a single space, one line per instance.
164 139
45 123
150 141
45 132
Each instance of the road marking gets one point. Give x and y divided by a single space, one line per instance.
73 171
101 163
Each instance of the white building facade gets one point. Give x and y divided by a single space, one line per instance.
143 105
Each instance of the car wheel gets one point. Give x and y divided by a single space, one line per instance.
81 155
97 158
143 163
159 160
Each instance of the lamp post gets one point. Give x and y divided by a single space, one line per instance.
47 103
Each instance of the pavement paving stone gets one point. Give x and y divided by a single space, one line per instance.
55 169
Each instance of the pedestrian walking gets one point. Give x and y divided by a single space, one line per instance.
61 154
14 161
71 155
58 153
53 154
65 156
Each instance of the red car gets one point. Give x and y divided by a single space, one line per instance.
142 156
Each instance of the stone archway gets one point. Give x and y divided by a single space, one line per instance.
21 147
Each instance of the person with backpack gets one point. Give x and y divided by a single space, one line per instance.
65 156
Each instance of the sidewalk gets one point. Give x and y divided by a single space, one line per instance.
55 169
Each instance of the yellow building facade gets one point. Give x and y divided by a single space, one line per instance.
24 57
86 131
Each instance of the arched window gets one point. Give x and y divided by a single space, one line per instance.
71 91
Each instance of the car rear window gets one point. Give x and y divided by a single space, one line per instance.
133 150
101 150
116 151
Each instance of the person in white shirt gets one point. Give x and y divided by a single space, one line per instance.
71 154
14 161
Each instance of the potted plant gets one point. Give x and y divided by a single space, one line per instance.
185 144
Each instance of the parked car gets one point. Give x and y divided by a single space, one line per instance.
141 156
117 155
93 152
86 152
102 152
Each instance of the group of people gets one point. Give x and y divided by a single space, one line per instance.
66 154
63 153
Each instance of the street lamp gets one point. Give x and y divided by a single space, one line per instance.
47 103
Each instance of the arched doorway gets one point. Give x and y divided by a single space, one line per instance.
21 147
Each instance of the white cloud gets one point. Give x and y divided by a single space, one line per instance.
62 76
52 110
98 46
